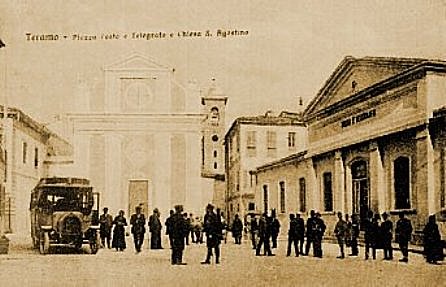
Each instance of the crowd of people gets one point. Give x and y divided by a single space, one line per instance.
179 227
378 233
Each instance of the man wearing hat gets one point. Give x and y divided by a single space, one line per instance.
138 222
386 232
213 229
178 231
105 226
155 230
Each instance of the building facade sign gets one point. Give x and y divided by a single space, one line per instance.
358 118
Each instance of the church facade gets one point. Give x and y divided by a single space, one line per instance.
141 144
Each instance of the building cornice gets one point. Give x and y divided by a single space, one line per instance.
412 74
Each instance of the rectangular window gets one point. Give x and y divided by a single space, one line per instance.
302 195
328 192
282 196
271 139
291 139
36 157
24 151
271 143
251 206
265 198
251 143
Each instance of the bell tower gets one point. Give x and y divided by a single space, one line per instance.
214 107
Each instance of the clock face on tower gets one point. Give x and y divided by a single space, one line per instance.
138 97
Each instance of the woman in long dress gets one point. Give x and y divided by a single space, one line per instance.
119 231
433 248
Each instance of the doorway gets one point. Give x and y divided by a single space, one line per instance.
139 195
360 189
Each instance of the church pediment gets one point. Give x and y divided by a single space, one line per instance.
136 62
355 74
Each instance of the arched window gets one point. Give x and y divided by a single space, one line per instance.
328 191
282 196
215 116
302 195
401 182
215 153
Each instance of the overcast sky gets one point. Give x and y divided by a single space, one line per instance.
291 49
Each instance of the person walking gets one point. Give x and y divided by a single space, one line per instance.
120 223
275 228
198 227
237 229
300 226
168 225
354 232
403 234
191 227
292 236
254 229
318 231
310 232
178 230
105 226
387 234
188 224
433 246
155 230
138 222
212 228
340 232
264 234
348 231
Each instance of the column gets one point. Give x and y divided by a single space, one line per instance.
339 183
313 190
424 169
377 180
348 190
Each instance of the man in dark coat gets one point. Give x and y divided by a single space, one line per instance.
254 228
433 246
275 228
292 236
264 235
138 222
105 226
300 226
155 230
318 231
237 229
340 233
310 233
387 235
178 231
168 225
403 234
354 232
213 229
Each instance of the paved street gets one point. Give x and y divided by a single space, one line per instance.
239 267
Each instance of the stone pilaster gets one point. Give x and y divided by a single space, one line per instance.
313 189
348 207
425 181
339 182
112 195
377 180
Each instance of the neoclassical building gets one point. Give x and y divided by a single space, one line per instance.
140 142
376 141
